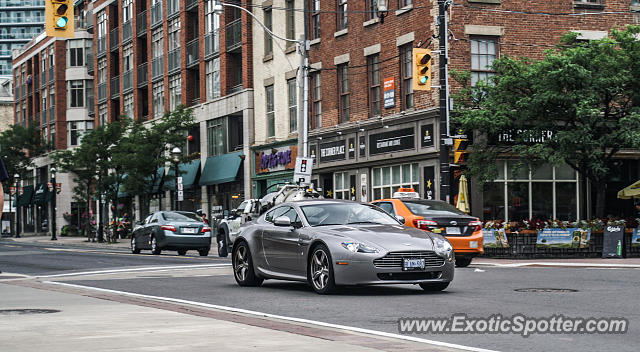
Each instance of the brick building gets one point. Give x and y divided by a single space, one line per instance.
151 56
371 134
53 92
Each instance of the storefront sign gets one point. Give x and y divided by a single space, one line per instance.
363 188
612 241
426 133
563 238
276 159
495 238
526 136
429 179
635 238
352 148
362 146
392 141
333 151
389 93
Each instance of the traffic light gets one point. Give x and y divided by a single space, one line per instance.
421 69
460 150
59 18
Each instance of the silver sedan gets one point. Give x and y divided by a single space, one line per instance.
329 243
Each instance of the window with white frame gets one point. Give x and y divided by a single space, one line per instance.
157 45
127 57
102 24
404 3
76 94
270 106
52 60
76 130
75 53
174 34
341 15
373 75
102 114
175 91
213 78
483 52
518 193
127 10
128 105
316 94
372 9
212 24
102 70
406 73
388 179
341 185
314 23
293 105
158 99
43 106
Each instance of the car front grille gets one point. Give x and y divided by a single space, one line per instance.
412 276
394 259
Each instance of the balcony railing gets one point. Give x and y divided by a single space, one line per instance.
126 31
83 22
50 74
190 4
234 34
156 14
127 81
102 92
174 59
157 68
102 46
141 23
90 66
115 87
173 8
114 39
21 3
143 74
193 52
211 44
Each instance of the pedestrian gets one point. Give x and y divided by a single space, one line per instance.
204 219
3 177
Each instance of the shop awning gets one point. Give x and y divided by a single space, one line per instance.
632 191
26 197
189 172
41 194
158 181
221 169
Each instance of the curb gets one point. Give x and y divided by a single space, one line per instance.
559 265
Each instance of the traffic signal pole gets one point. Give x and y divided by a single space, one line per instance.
445 139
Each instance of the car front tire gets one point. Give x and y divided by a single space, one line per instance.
243 266
434 287
223 246
321 277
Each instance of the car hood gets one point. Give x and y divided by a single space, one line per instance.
384 237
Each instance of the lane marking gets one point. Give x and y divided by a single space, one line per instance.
130 270
281 317
559 265
126 253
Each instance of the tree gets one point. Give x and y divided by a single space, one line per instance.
584 97
17 144
146 148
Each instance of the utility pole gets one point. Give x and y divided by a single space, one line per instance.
445 139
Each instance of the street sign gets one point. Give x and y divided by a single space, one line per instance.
180 196
180 187
179 180
302 173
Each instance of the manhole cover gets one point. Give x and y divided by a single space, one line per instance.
27 311
554 290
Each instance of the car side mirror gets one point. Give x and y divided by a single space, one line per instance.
401 219
282 221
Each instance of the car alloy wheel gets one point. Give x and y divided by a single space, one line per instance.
321 271
134 246
243 266
154 246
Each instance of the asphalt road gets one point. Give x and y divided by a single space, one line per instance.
598 293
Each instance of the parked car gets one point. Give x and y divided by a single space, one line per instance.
329 243
463 231
172 230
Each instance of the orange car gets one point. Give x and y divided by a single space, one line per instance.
463 231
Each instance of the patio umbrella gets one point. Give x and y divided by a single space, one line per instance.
463 195
631 191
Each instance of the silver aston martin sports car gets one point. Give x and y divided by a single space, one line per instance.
328 243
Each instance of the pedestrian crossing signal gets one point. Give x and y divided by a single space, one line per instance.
59 18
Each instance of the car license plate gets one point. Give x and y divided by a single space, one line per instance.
188 230
412 264
473 244
453 231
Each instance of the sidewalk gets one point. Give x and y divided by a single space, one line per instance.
66 241
571 262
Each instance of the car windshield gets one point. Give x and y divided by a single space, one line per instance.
345 214
181 216
431 207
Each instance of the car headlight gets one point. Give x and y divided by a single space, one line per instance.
358 247
443 247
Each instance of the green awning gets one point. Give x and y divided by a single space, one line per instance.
221 169
25 198
158 181
41 194
189 172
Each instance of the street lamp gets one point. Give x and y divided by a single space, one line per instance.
383 10
53 204
176 153
16 184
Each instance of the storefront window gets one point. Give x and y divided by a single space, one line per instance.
387 180
341 185
546 192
